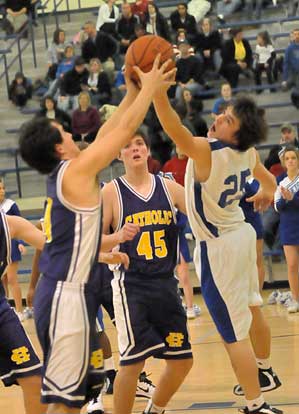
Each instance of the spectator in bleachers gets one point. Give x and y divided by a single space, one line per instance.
181 19
99 45
291 63
287 204
85 120
139 30
72 84
16 14
249 6
126 27
236 57
120 85
64 66
264 58
224 101
139 8
208 46
226 8
155 22
49 110
107 17
189 72
194 108
20 90
181 37
182 112
56 52
98 84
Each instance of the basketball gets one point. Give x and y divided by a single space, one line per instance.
143 51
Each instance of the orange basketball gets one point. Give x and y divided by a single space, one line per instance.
143 51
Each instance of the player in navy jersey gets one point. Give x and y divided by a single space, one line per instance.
19 363
150 319
66 299
225 251
287 204
254 218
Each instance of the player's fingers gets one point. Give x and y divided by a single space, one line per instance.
156 63
170 75
138 71
165 65
125 260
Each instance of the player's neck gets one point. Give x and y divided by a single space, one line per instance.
139 178
293 174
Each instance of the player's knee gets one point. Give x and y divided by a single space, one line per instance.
180 366
134 369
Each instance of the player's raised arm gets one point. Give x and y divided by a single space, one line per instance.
22 229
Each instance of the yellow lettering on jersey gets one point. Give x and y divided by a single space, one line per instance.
155 217
144 247
148 218
160 246
20 355
47 220
97 359
175 339
128 219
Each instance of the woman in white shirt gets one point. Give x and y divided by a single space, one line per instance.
265 55
107 18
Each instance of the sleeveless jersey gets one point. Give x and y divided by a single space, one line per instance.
213 205
153 251
5 249
72 234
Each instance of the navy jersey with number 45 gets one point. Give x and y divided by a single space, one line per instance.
153 251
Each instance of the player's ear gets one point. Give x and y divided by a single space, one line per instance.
59 149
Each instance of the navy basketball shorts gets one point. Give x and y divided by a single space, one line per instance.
150 318
103 278
65 317
18 358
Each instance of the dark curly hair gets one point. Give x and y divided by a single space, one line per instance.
37 142
253 126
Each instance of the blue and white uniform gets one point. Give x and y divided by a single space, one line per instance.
11 209
252 217
66 299
225 252
150 319
18 359
289 212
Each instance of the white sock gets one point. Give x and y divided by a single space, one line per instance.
109 364
255 404
153 408
263 363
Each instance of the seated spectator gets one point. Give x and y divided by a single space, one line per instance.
85 120
226 8
72 84
64 66
208 45
98 84
236 57
139 30
56 52
248 10
187 98
139 8
181 110
49 110
155 22
16 15
291 65
225 100
99 45
264 57
181 37
107 18
194 108
181 19
126 27
189 72
20 90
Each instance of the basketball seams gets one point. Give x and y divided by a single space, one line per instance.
137 63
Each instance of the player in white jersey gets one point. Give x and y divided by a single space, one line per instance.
225 245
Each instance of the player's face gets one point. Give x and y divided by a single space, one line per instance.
67 149
135 153
2 192
290 161
225 127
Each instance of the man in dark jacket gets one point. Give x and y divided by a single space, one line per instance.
181 19
125 27
73 82
236 57
208 45
98 44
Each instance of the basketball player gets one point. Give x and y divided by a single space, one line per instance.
149 315
216 174
65 302
19 363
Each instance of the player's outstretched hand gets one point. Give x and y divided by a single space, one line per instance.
261 200
132 88
115 258
128 232
158 77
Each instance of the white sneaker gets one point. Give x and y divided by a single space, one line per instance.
272 299
95 406
145 387
283 297
197 310
293 306
190 312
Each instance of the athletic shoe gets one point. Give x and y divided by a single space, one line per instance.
272 299
283 297
28 313
197 310
190 312
292 306
95 406
109 381
268 381
264 409
145 387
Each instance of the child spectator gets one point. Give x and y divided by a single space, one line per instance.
66 64
226 99
265 55
55 52
20 90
